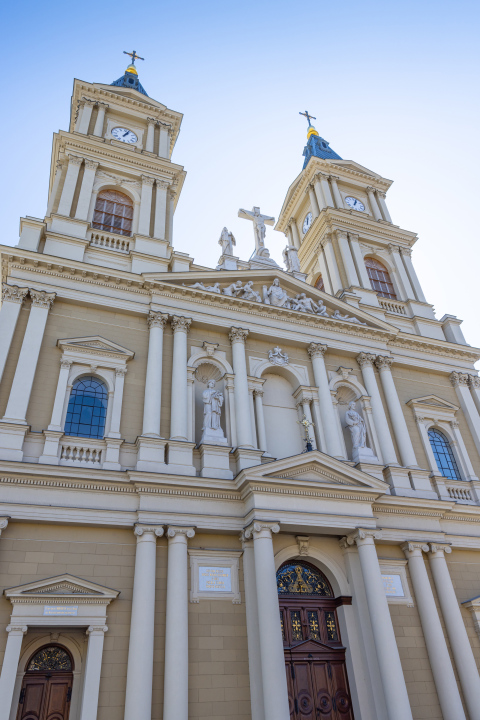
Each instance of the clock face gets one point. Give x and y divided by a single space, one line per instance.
124 135
307 222
355 204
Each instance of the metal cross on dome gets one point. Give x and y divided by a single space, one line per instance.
133 55
308 116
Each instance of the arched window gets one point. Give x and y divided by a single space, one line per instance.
380 278
443 454
319 283
87 408
52 657
113 212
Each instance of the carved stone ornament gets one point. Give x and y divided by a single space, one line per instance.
277 357
99 629
237 335
365 359
42 299
459 379
173 531
157 319
13 293
303 543
91 164
66 364
210 347
361 534
180 323
75 160
163 184
383 362
259 526
410 548
440 547
18 629
474 381
316 350
147 180
140 530
120 371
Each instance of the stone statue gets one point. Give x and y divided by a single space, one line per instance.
277 357
321 309
211 288
356 425
290 258
338 316
303 303
212 410
259 229
249 293
227 241
234 289
274 295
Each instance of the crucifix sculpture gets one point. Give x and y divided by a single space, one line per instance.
134 56
308 116
259 229
306 424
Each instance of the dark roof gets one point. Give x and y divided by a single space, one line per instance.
129 80
318 147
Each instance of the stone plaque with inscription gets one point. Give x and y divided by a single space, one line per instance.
214 579
393 585
214 575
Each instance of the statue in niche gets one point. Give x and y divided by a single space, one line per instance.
275 295
290 258
212 409
227 241
358 432
249 293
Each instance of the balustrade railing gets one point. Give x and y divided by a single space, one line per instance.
109 241
460 492
392 306
78 452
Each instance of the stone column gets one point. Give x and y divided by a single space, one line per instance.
443 675
11 659
54 190
175 693
153 382
313 201
407 260
251 403
150 134
360 262
116 416
179 401
336 193
383 206
397 417
332 264
474 384
160 224
69 185
164 141
402 277
145 206
463 457
59 403
230 388
99 122
366 360
373 203
348 264
262 435
457 634
12 301
138 698
319 193
238 337
295 235
326 190
327 412
274 681
93 669
78 120
253 633
171 212
84 118
27 362
86 188
391 672
461 383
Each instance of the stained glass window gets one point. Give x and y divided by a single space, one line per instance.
300 578
87 409
50 658
443 454
113 212
380 278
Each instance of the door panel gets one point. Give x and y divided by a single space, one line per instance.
305 705
33 691
340 691
324 704
56 706
45 697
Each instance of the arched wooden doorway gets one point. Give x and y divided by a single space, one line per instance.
47 685
314 655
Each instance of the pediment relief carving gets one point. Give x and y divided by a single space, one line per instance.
315 474
62 586
62 589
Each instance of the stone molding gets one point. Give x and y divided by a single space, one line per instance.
316 350
42 299
13 293
238 335
157 319
180 323
164 184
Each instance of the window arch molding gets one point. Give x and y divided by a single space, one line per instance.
126 189
390 270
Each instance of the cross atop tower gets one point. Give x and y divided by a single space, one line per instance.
308 116
133 55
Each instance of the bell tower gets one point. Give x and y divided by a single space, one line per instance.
336 216
113 186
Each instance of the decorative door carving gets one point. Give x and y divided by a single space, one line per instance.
47 685
314 655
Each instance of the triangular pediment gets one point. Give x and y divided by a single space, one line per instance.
95 343
61 586
352 165
433 401
314 468
196 284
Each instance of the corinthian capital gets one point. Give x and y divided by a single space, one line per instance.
13 293
91 164
75 160
42 299
383 362
365 359
180 323
151 121
474 381
316 350
237 335
157 319
459 379
147 180
341 234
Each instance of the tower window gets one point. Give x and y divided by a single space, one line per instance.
87 408
380 279
113 212
319 284
443 455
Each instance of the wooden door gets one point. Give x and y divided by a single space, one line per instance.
47 685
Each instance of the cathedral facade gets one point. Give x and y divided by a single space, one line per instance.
248 492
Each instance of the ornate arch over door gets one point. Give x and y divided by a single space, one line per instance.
47 685
314 655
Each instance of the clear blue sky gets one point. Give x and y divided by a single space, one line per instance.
394 86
